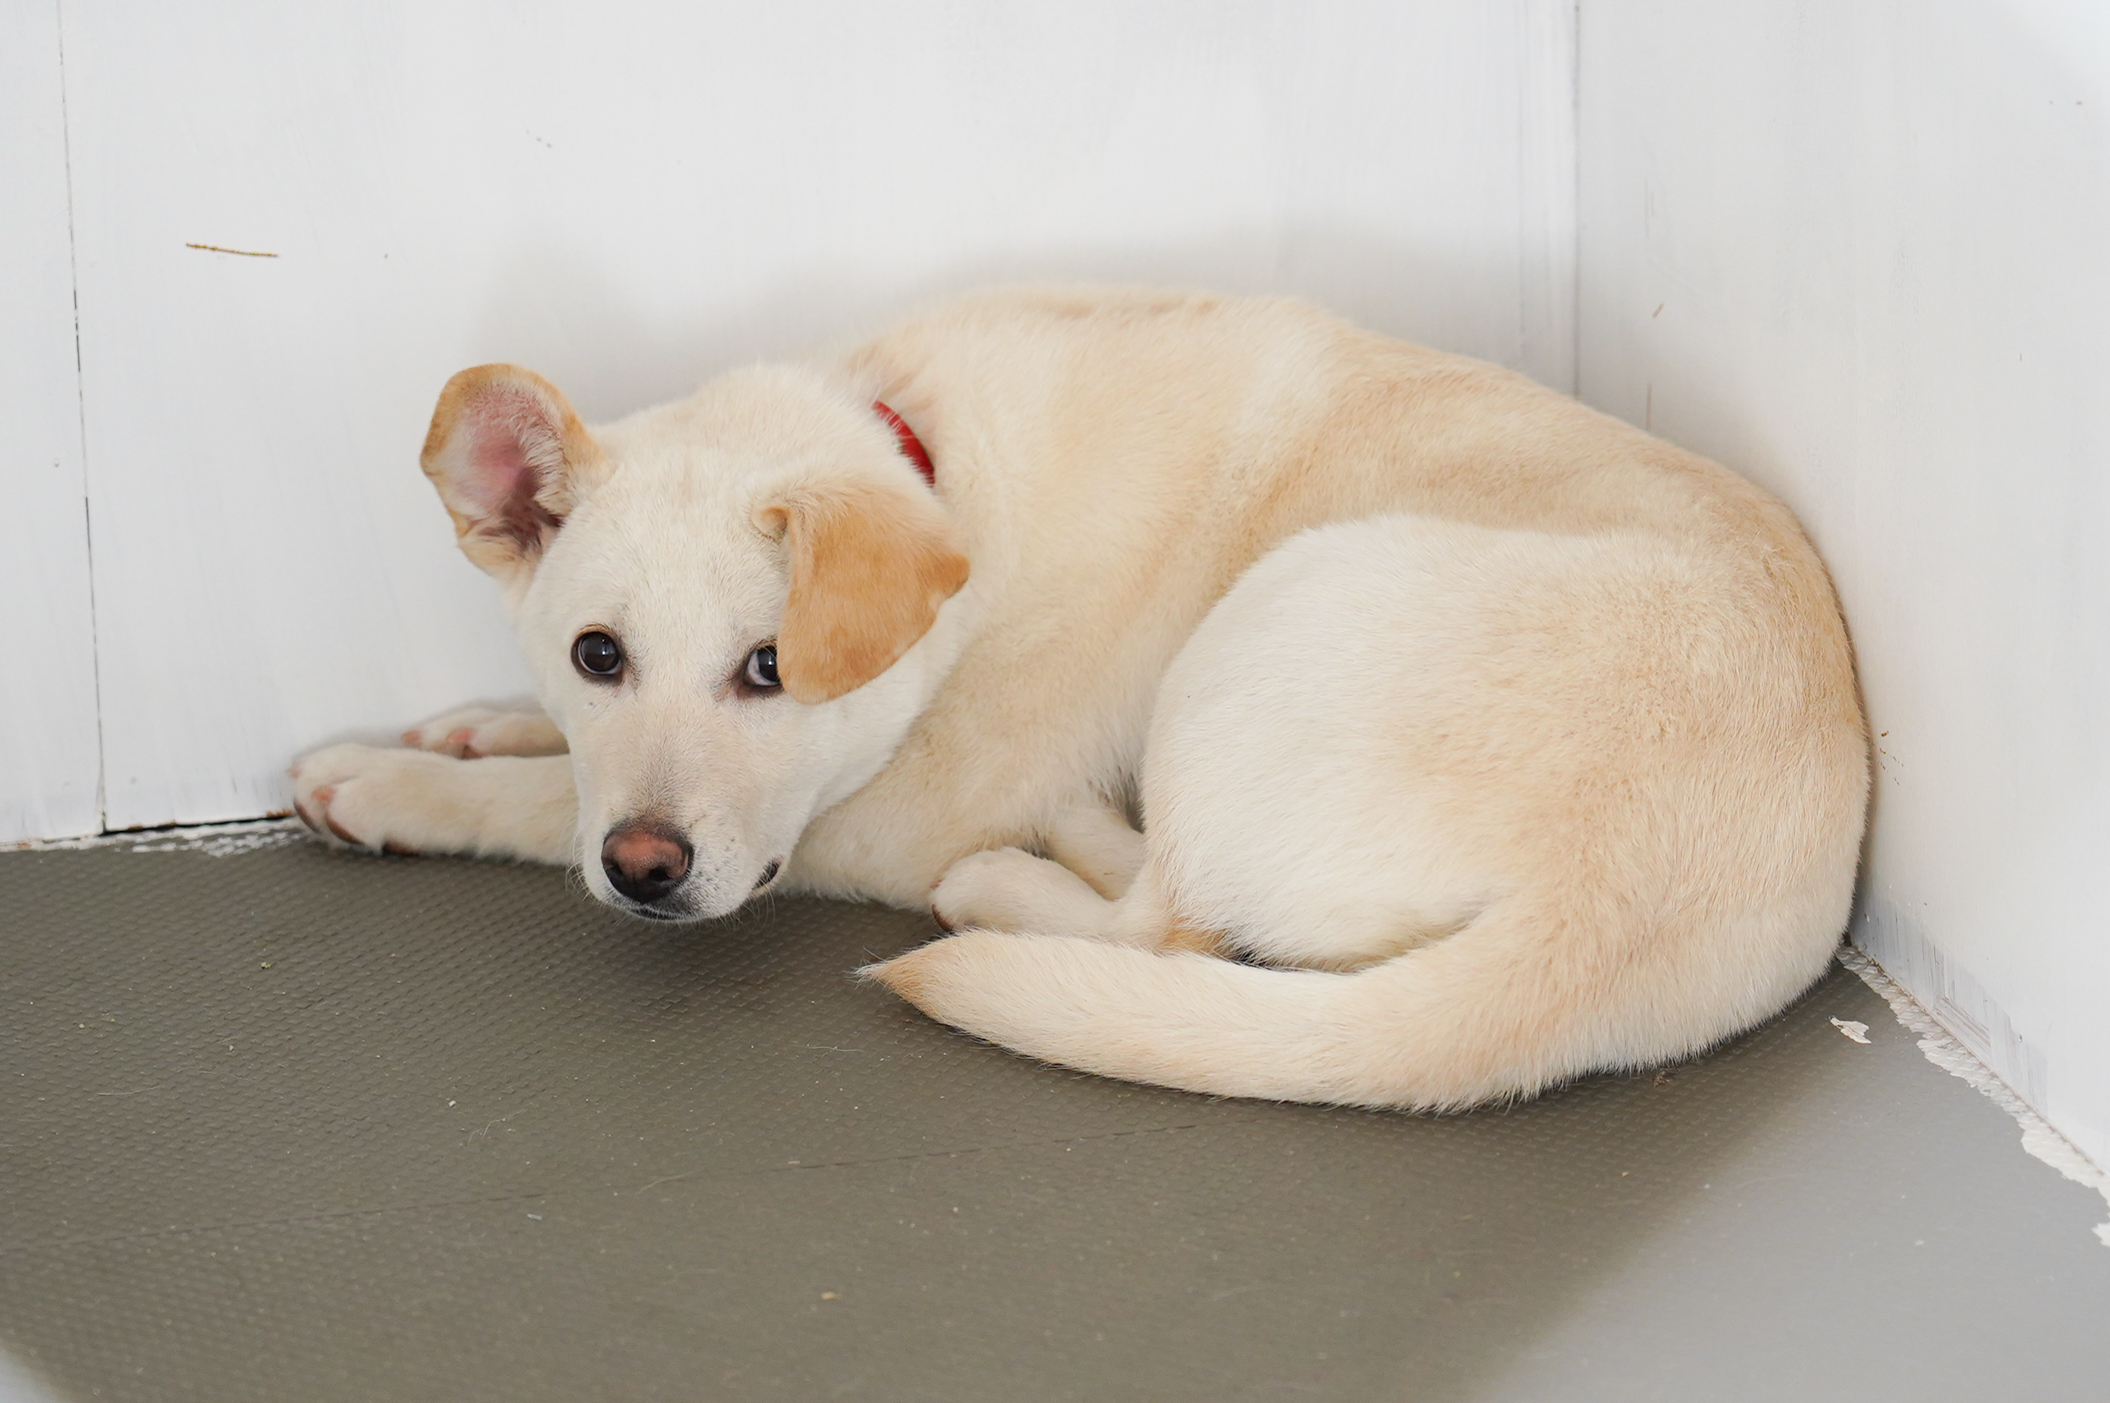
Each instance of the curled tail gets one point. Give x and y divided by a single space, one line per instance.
1483 1015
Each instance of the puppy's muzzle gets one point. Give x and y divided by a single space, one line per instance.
644 861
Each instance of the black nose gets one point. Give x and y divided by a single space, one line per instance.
645 861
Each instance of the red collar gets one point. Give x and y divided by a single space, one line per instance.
911 446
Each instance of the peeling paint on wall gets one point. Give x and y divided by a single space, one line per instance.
212 839
1949 1053
1951 996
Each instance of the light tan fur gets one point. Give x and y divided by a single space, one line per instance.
1502 740
1184 937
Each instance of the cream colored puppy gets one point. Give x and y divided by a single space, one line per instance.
1500 740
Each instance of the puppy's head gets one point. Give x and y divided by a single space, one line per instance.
721 600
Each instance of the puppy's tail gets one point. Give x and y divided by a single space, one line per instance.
1500 1009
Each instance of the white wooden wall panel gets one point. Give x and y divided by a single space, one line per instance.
48 748
629 198
1857 250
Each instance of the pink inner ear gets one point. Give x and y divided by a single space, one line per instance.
499 474
509 444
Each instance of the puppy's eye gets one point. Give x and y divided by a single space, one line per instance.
598 656
761 670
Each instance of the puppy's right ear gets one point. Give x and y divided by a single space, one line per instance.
508 456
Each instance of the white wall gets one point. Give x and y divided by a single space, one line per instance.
48 761
1858 251
629 198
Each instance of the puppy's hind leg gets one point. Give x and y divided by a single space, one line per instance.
1008 889
1095 842
1095 857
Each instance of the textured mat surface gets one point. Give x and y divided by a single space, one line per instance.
299 1126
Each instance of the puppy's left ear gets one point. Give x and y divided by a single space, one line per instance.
508 456
870 564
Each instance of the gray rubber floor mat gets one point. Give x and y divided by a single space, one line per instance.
295 1125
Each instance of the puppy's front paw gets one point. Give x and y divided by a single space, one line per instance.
472 732
378 800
